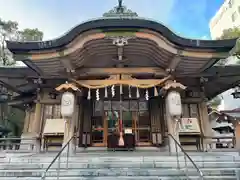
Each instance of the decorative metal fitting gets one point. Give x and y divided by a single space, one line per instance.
120 41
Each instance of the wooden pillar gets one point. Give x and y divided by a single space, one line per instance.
205 125
31 131
37 120
173 129
37 126
69 131
26 122
237 136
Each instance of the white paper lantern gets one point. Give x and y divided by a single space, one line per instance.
174 104
67 104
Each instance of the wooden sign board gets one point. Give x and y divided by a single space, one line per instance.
54 126
189 126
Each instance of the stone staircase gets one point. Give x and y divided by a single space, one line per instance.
120 165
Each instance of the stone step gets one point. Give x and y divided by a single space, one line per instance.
120 159
126 178
119 165
118 172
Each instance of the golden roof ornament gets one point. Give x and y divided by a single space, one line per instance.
120 11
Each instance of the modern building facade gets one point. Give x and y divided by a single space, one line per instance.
228 16
121 69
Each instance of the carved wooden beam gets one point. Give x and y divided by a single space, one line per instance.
68 65
110 71
115 80
67 86
173 64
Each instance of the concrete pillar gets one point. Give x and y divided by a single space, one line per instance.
173 129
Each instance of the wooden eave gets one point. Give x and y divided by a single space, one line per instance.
95 49
105 24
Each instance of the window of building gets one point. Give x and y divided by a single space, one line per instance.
52 111
190 111
234 16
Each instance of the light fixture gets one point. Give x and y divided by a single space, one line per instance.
236 94
53 95
3 93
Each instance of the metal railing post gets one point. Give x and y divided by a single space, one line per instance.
186 156
178 163
67 156
59 166
58 157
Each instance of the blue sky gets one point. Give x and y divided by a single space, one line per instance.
188 18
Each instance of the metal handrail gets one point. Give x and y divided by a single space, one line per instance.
177 144
58 157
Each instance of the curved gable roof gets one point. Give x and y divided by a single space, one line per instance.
117 23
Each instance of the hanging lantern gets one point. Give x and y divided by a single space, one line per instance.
106 92
147 95
89 94
67 104
97 95
138 95
129 91
174 104
113 90
155 91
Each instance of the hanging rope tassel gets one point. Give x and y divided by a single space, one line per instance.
121 89
177 126
89 94
155 91
97 95
113 90
147 95
129 91
106 93
138 95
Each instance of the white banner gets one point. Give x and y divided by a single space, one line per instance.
189 125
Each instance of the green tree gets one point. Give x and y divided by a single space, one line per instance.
9 31
230 34
215 102
13 118
31 35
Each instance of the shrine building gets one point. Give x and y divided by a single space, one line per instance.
120 68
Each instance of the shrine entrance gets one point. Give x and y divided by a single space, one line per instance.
135 120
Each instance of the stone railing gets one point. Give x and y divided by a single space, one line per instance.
219 142
19 144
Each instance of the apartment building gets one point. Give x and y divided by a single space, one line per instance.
228 16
